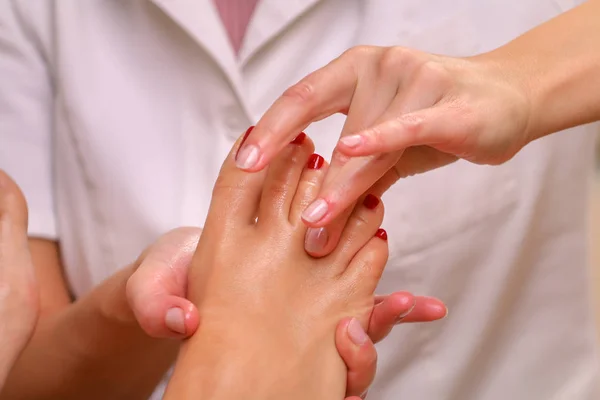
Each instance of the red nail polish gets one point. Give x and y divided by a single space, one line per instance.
246 135
299 139
315 161
381 234
371 201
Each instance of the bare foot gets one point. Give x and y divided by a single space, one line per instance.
18 288
269 311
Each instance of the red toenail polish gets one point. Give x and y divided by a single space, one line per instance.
381 234
371 201
299 139
246 135
315 161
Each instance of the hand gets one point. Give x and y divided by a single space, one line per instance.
408 112
19 304
157 289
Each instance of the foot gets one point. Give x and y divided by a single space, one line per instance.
18 288
269 310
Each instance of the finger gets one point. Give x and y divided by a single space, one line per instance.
387 312
414 160
323 93
402 307
156 290
427 309
373 95
351 182
359 354
443 127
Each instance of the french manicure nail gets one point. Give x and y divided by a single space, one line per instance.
381 234
356 332
315 211
299 139
315 161
371 201
438 309
175 320
351 141
316 240
247 157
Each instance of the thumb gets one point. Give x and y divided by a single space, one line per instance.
156 290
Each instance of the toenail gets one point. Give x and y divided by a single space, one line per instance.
315 161
299 139
351 141
381 234
316 240
371 201
356 332
248 131
315 211
247 157
175 320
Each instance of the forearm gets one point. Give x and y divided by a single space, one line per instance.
90 350
558 64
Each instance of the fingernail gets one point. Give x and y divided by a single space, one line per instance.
404 314
175 320
381 234
315 161
315 211
356 332
438 309
316 240
299 139
351 141
371 201
247 157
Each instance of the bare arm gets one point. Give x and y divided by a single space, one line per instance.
90 349
559 63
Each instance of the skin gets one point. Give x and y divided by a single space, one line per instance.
409 112
123 323
253 246
18 286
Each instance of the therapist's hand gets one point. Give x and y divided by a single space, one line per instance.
407 112
156 293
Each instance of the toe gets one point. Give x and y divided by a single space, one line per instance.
283 177
236 192
366 268
362 225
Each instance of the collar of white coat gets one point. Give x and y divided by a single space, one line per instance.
200 19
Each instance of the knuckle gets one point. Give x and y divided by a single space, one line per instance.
433 72
393 58
303 92
360 52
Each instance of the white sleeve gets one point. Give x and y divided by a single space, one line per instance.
26 99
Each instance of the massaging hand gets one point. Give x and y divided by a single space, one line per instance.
157 291
407 112
18 287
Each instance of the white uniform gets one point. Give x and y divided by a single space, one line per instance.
115 117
